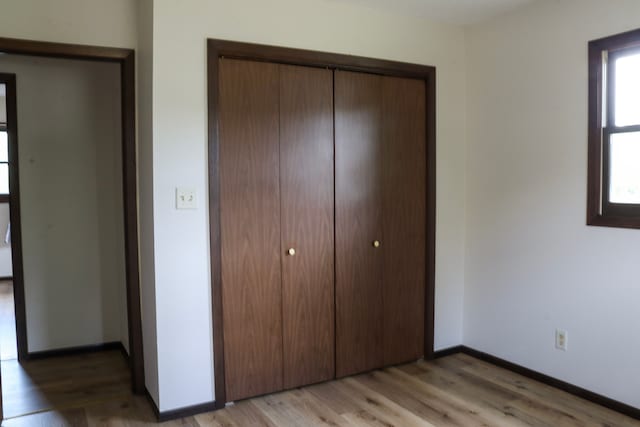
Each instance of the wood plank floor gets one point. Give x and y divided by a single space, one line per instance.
62 382
454 391
8 346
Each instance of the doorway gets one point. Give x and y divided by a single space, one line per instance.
8 346
122 60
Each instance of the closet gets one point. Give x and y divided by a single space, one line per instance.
380 220
276 200
322 179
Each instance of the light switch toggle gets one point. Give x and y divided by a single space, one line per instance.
186 198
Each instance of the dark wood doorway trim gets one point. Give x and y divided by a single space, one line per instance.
229 49
126 59
9 80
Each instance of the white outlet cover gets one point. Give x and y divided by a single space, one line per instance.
186 198
561 339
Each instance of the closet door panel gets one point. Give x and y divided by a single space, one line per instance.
404 218
359 315
250 227
306 185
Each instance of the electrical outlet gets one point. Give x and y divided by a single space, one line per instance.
561 339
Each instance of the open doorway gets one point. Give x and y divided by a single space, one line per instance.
74 325
8 345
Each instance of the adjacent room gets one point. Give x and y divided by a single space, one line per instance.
320 213
64 329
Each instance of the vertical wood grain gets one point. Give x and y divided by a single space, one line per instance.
248 51
358 142
404 213
306 185
250 224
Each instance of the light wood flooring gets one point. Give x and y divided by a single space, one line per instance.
63 382
8 346
454 391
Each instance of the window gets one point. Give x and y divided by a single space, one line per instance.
614 131
4 146
4 161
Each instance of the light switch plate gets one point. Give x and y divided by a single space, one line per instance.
186 198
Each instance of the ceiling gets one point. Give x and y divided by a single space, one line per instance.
460 12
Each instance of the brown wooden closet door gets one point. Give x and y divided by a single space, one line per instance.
358 142
306 188
250 227
404 218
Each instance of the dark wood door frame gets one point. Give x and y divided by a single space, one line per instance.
9 80
222 48
11 127
125 58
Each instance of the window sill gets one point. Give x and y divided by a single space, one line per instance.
614 221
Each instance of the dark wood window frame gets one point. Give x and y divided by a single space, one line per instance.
229 49
125 58
602 55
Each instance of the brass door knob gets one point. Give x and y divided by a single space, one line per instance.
376 243
291 251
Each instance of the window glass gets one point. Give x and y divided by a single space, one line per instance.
4 152
627 90
624 182
4 178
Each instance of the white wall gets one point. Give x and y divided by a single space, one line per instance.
6 269
532 264
180 154
145 194
90 22
71 200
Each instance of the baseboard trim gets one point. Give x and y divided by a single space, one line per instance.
174 414
591 396
73 351
152 402
446 352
